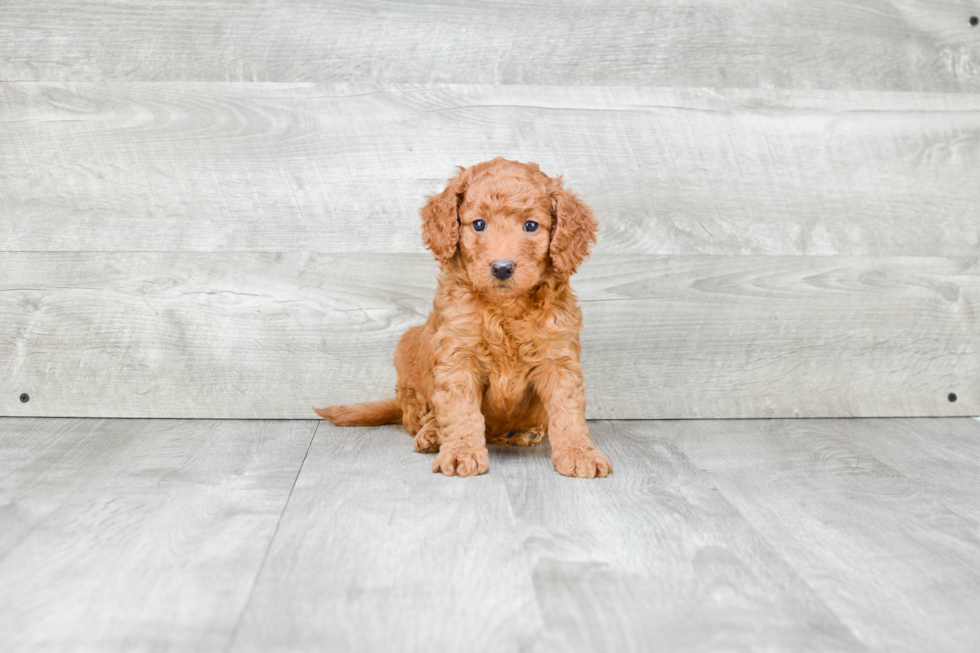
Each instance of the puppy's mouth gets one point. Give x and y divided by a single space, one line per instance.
508 288
501 286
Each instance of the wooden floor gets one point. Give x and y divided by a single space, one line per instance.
197 535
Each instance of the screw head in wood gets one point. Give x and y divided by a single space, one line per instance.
974 20
952 396
24 398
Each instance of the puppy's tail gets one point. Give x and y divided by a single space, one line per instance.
373 413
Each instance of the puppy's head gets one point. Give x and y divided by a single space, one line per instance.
507 223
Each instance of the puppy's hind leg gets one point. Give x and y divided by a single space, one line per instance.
427 438
518 438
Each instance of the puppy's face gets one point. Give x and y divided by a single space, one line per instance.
507 222
504 234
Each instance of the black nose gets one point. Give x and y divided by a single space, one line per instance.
502 269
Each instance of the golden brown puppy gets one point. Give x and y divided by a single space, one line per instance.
498 359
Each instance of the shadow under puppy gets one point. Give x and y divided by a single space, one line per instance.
498 359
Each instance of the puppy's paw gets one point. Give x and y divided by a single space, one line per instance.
426 441
518 438
581 462
461 460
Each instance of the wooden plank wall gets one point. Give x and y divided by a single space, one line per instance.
210 209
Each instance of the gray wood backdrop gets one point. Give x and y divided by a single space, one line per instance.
211 209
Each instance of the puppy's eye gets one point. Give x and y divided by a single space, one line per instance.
530 226
479 225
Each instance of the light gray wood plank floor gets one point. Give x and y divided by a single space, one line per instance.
136 534
844 535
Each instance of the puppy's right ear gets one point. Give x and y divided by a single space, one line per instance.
440 219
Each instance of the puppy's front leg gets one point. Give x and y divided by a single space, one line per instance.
457 399
562 392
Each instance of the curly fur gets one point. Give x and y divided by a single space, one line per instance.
498 360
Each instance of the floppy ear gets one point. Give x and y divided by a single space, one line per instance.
440 219
573 231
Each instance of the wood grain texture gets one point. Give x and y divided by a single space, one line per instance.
653 557
376 552
345 168
519 559
711 337
269 335
836 551
882 549
869 44
122 535
939 456
137 535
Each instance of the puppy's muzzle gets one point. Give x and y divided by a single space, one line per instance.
502 269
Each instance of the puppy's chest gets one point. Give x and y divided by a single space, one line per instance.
508 354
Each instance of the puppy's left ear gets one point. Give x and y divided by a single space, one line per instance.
573 231
440 219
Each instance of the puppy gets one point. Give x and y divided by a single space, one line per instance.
498 359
